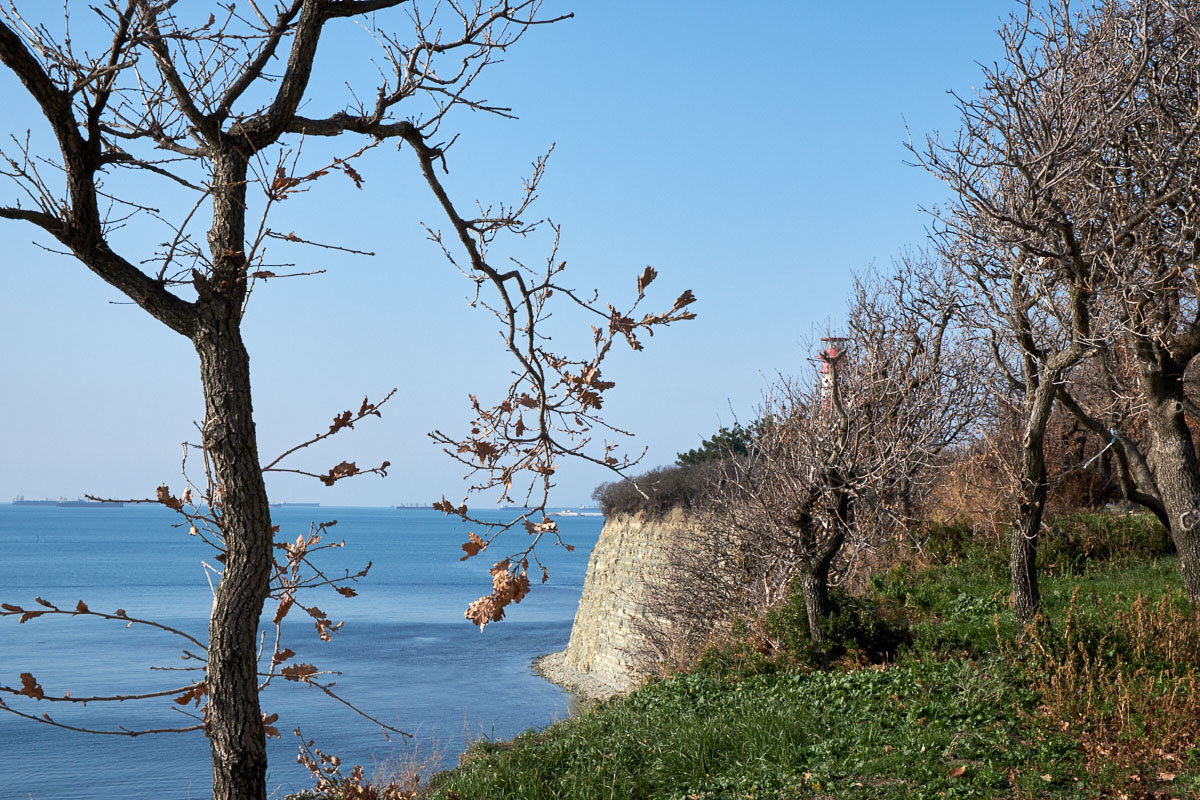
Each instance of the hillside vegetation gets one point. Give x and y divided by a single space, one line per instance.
922 688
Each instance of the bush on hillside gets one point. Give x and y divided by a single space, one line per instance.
682 485
1079 538
859 628
948 542
654 493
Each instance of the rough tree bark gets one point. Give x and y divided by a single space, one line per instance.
234 723
814 587
814 580
1173 452
1027 521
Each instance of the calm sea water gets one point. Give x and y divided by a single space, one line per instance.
406 653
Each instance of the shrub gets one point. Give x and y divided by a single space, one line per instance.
1076 539
1124 677
746 653
655 493
725 443
948 542
399 779
862 626
858 628
681 485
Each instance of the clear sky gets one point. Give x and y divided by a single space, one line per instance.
752 152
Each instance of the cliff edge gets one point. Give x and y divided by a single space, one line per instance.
607 653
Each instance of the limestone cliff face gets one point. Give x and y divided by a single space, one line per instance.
628 562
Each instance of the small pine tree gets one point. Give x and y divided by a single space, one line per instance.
725 443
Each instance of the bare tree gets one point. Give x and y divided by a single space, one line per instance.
1075 172
1023 323
210 105
1149 178
1028 133
838 464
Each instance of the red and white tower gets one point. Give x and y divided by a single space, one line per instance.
831 357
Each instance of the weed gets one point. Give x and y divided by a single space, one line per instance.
398 779
1075 541
1124 678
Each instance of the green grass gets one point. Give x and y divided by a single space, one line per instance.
956 715
903 731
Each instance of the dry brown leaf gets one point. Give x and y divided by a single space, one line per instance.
299 672
30 688
194 694
473 546
645 279
285 605
164 496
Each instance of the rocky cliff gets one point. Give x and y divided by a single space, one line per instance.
607 653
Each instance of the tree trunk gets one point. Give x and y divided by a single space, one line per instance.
814 585
814 569
1177 472
234 725
1023 541
814 573
1031 506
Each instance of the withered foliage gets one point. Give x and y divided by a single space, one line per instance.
1122 679
329 783
507 587
549 413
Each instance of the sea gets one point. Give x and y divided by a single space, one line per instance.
405 654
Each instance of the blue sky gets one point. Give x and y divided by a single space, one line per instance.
750 152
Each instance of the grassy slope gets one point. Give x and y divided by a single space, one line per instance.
959 714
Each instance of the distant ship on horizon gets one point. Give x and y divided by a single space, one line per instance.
63 502
286 504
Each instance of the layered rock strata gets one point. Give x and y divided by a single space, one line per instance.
607 654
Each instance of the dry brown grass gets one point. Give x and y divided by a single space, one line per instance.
1124 680
973 487
399 778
